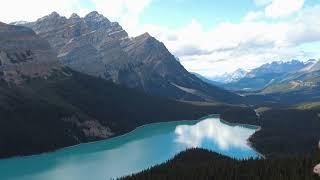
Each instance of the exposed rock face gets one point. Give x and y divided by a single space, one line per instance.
23 54
92 129
98 47
317 167
85 44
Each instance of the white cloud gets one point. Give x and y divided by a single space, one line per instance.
30 10
279 8
213 131
253 15
229 46
306 27
224 47
126 12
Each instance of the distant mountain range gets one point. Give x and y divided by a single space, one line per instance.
266 77
305 79
98 47
230 77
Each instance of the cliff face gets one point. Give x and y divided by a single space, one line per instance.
98 47
24 55
85 44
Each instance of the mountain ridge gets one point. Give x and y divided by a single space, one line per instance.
98 47
269 74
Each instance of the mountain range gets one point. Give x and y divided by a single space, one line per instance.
65 81
304 79
268 77
230 77
46 102
95 46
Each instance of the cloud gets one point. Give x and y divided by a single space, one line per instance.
189 50
126 12
306 27
247 44
253 15
213 131
31 10
267 33
279 8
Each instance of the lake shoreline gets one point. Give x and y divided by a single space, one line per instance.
138 127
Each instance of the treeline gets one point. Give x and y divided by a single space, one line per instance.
287 131
203 164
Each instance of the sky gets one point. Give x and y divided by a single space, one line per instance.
209 37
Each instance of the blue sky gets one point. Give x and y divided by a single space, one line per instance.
210 37
177 13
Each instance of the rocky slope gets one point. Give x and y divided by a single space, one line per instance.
23 54
96 46
306 79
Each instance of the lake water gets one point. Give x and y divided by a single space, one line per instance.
146 146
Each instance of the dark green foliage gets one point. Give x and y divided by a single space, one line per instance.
241 115
31 114
202 164
288 138
287 131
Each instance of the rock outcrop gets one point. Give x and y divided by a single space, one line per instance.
24 55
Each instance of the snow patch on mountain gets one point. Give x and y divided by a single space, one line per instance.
230 77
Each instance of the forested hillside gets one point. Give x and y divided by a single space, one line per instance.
203 164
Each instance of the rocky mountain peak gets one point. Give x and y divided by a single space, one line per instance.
74 16
92 14
52 16
53 19
230 77
98 47
311 61
95 16
96 20
145 35
148 41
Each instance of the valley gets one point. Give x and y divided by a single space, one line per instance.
80 98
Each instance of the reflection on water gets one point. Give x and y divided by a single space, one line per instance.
213 130
133 152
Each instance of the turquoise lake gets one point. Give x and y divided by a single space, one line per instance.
144 147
